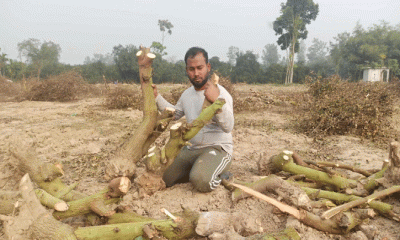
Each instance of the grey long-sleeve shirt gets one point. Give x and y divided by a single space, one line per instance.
218 132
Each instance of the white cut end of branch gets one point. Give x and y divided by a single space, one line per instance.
287 152
60 166
16 204
151 55
386 160
150 155
25 178
285 157
61 206
151 149
169 214
139 53
215 79
124 184
176 126
371 213
170 109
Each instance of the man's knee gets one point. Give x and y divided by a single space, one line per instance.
202 183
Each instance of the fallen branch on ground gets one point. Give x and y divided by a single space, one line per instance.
332 212
310 219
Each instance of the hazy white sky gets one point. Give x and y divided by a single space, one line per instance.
83 28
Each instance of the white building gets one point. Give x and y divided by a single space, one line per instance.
376 75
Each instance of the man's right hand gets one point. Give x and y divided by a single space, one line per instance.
155 90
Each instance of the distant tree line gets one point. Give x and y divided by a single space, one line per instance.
347 56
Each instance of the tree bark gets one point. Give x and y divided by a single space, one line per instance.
310 219
159 159
284 162
381 207
332 212
33 220
123 164
287 191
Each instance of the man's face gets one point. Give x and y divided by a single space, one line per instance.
198 70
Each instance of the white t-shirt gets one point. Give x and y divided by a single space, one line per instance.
218 131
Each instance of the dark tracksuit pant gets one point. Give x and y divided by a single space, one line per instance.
202 167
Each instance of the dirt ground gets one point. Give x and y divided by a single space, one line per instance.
83 135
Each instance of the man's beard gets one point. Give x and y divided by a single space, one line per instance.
199 85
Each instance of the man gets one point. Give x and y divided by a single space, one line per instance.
208 158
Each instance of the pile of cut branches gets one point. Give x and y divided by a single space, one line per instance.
338 107
325 187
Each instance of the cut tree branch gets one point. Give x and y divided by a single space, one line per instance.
332 212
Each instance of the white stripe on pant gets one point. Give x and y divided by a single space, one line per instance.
215 183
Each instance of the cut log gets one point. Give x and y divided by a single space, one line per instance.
123 164
332 212
167 228
284 162
290 193
326 225
127 217
158 160
392 176
94 203
381 207
50 201
33 221
46 175
163 121
347 167
371 182
8 200
211 222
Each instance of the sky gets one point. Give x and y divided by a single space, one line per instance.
84 28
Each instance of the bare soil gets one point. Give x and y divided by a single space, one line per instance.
83 135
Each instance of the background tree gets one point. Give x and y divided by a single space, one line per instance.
126 62
247 68
301 54
318 60
158 48
270 55
337 54
222 67
93 69
165 28
291 26
15 70
106 59
375 47
232 55
317 51
3 63
275 73
165 71
39 54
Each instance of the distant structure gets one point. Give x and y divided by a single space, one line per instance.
376 75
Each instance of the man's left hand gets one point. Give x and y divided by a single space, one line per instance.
211 91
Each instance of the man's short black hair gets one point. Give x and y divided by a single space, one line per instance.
193 51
